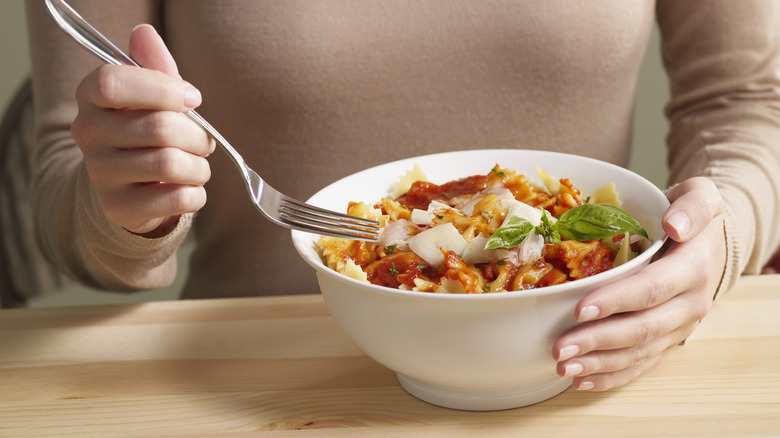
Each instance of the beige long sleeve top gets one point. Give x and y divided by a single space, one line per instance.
311 91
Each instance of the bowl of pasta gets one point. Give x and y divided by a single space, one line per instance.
481 260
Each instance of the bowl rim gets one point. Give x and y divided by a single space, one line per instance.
301 239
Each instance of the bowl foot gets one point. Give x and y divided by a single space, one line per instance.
482 400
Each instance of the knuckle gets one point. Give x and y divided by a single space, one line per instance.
168 164
80 129
161 128
656 290
107 84
205 171
188 199
639 357
709 200
647 330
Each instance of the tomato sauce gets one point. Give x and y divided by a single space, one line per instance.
400 268
422 193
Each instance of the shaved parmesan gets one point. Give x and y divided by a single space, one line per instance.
422 217
429 244
502 194
396 233
475 251
425 217
522 210
531 248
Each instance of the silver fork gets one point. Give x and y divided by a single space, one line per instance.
277 207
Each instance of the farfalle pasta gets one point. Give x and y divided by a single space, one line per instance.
487 233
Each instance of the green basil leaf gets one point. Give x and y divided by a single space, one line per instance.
596 221
548 228
510 234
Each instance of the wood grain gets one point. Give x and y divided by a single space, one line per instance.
281 366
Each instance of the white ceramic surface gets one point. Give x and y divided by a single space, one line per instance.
473 352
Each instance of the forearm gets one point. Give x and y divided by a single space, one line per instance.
723 59
72 230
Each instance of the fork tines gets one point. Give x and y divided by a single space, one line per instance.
308 217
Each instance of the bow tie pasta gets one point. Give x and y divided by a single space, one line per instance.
495 232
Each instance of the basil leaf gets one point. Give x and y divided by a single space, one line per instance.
510 234
596 221
547 228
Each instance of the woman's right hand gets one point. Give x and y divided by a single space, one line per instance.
145 158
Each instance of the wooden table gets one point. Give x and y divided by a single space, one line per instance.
280 365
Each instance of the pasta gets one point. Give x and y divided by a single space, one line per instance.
487 233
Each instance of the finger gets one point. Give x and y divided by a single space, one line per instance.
169 165
127 87
626 330
148 49
133 207
695 202
606 361
680 269
606 381
129 129
604 370
654 284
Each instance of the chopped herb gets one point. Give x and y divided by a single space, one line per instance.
393 270
547 228
497 172
501 262
391 249
486 215
486 288
538 262
440 216
422 266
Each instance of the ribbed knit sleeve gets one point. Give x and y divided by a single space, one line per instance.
723 60
72 230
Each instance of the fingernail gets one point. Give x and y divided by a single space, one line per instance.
585 386
568 352
192 97
145 25
680 222
573 369
588 313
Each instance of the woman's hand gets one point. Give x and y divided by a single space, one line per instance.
629 324
145 158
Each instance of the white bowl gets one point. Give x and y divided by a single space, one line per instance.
473 352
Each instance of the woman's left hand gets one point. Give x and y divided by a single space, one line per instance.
629 324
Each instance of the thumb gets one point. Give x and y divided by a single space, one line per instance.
695 202
148 49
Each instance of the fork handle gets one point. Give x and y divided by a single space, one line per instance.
91 39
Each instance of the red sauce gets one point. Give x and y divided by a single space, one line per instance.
400 268
600 260
422 193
